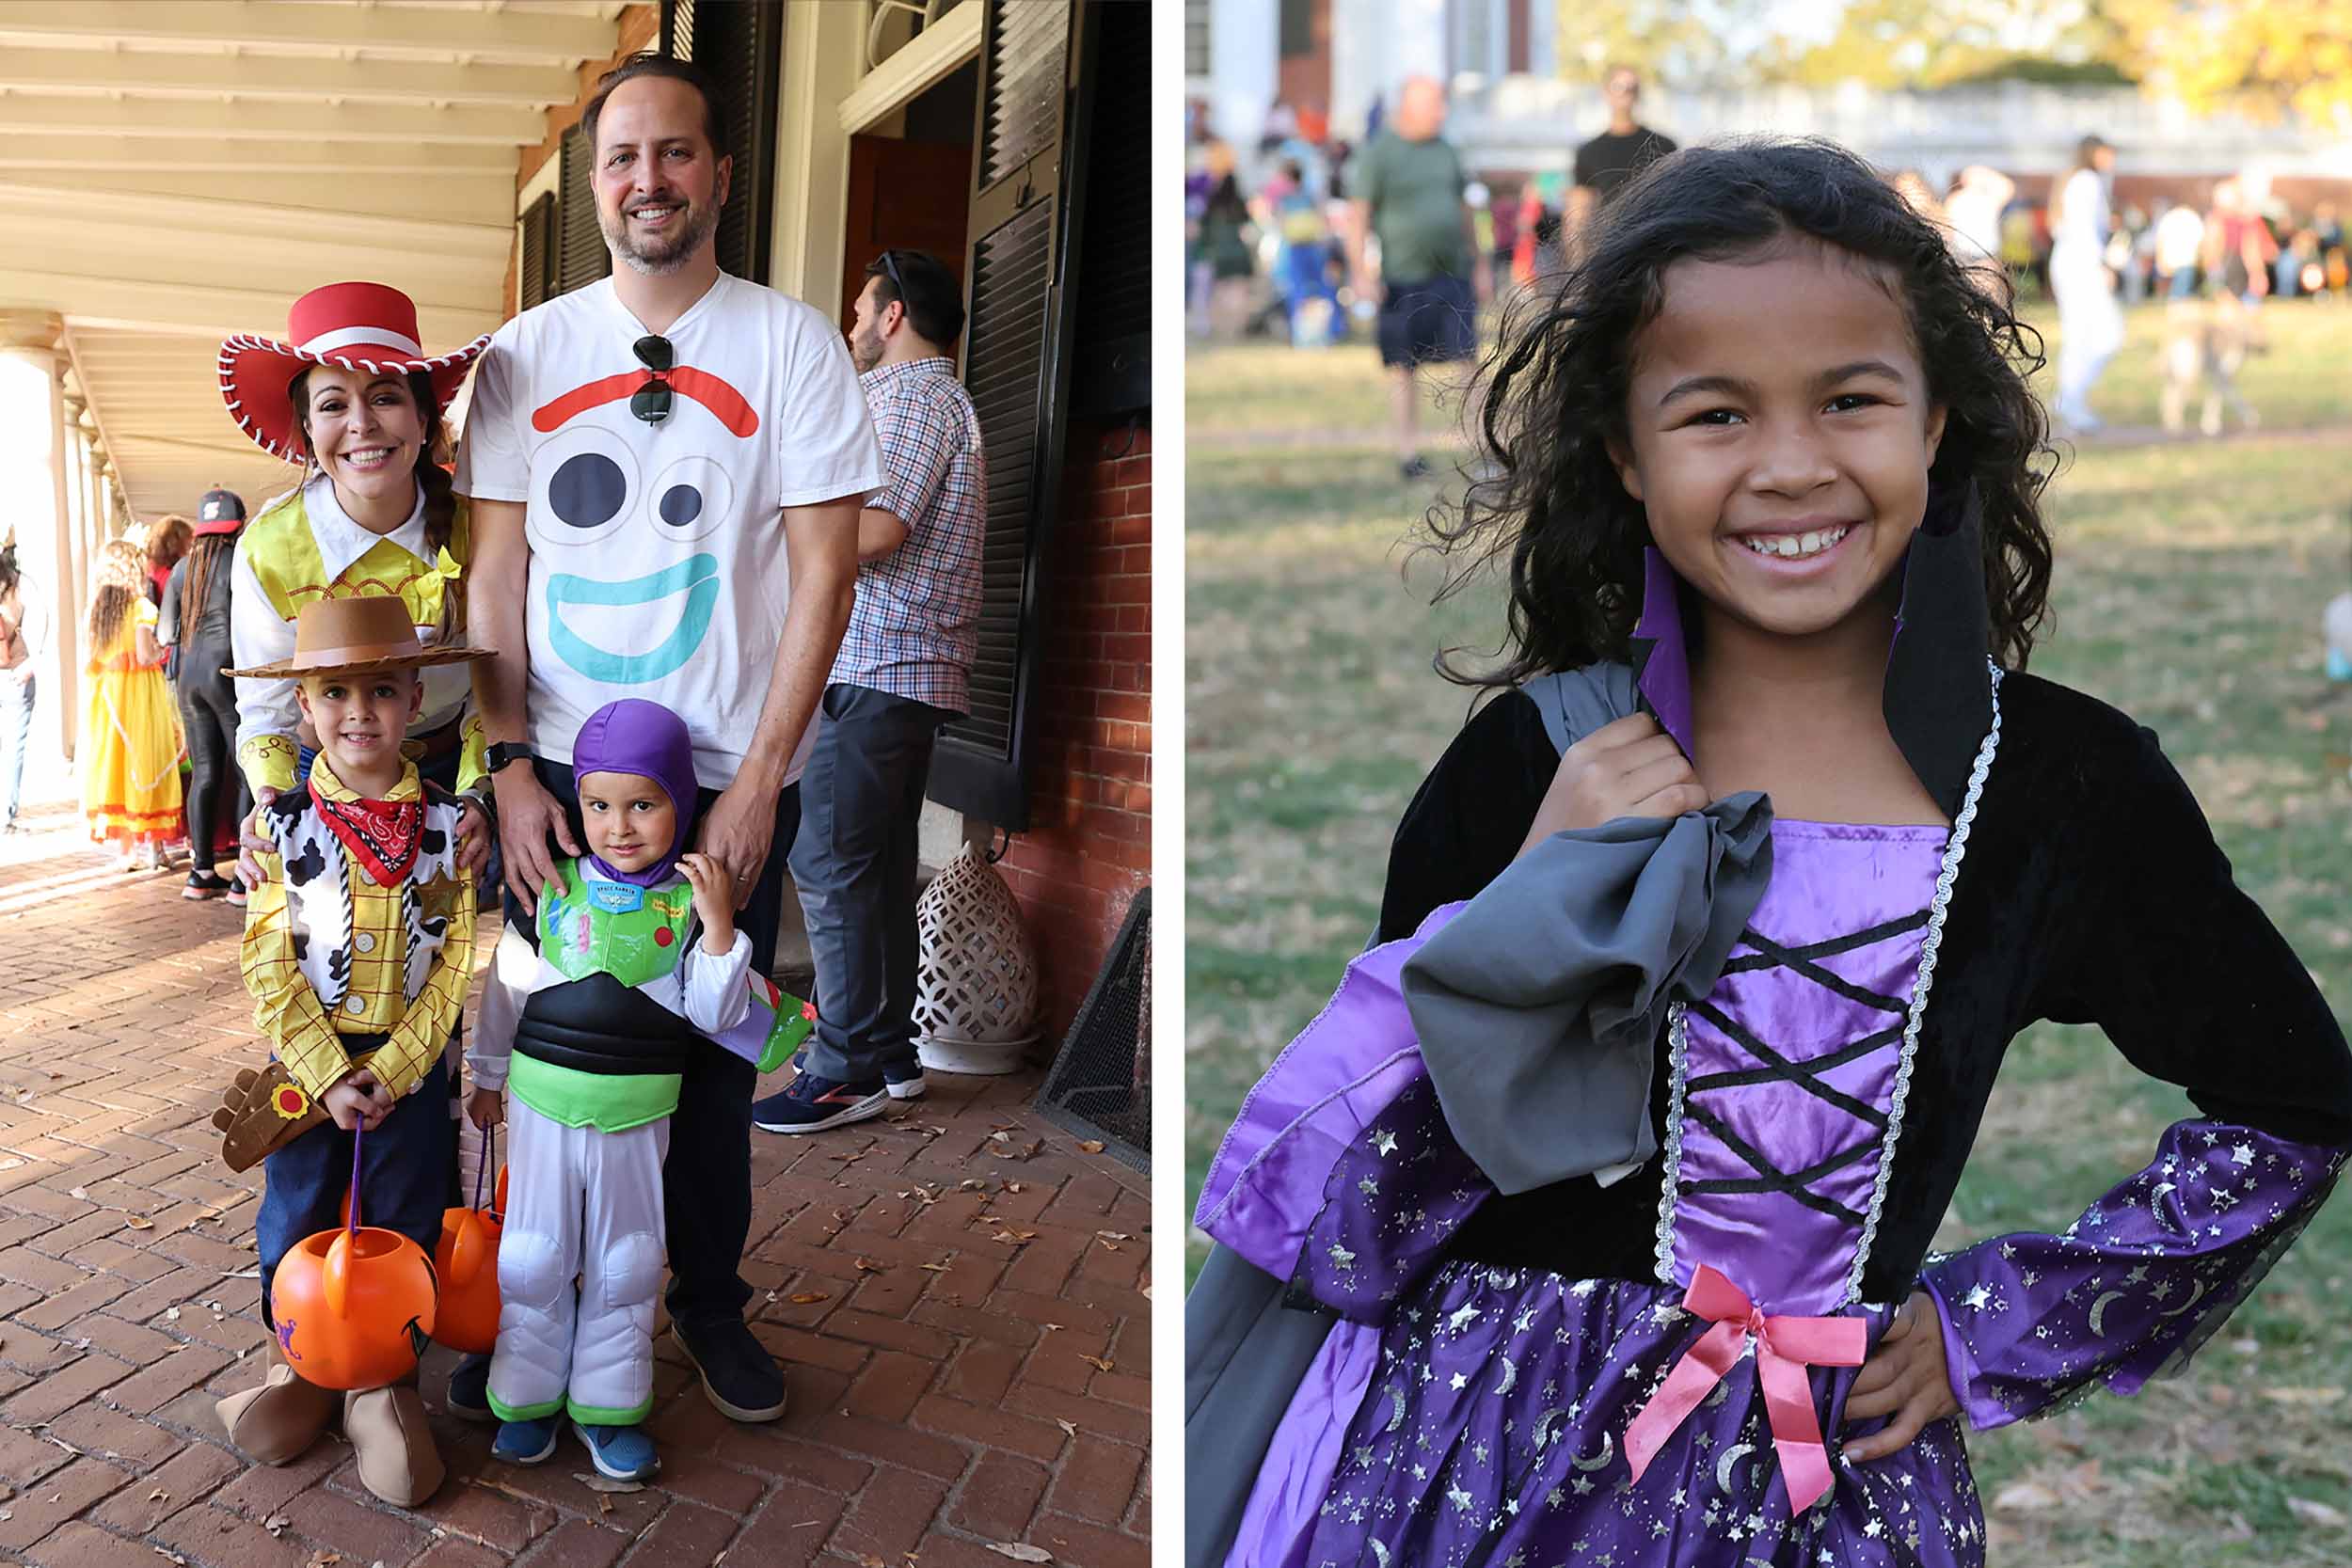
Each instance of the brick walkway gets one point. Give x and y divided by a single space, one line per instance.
974 1370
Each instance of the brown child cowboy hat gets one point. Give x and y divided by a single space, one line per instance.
356 637
360 326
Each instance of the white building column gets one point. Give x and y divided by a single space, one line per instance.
824 60
1376 44
1245 44
33 453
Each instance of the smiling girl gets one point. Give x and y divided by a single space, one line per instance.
1609 1175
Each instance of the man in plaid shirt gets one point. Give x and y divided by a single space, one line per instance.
904 669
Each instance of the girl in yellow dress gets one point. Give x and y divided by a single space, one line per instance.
130 743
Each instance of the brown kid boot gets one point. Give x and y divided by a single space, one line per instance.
276 1422
394 1447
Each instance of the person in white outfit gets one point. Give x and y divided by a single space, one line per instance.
588 1019
2090 322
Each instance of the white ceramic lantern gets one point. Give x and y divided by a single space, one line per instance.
976 984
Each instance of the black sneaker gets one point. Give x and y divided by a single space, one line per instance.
904 1083
469 1390
812 1104
737 1373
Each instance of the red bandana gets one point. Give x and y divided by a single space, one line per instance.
382 836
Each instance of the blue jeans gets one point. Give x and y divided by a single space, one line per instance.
861 802
403 1178
16 736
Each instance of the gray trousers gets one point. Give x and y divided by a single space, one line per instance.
860 805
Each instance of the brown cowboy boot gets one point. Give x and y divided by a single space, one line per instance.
278 1421
393 1446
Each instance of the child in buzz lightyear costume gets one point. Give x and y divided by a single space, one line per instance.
588 1019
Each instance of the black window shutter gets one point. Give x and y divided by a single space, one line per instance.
1112 375
1028 186
740 44
580 256
535 282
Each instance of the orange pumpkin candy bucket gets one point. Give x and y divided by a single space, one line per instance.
354 1307
467 1261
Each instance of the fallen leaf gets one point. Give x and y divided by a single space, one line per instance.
323 1559
2023 1497
168 1556
2303 1396
867 1559
771 1296
933 1268
172 1313
603 1483
159 1495
1091 1145
79 1191
803 1298
1096 1362
276 1524
852 1158
2314 1513
1051 1328
1005 1126
1114 1235
604 1504
1111 1246
993 1138
867 1266
1066 1426
1012 1186
1020 1552
139 1222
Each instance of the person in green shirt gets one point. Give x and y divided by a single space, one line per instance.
1409 190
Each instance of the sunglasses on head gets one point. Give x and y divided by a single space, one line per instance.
651 402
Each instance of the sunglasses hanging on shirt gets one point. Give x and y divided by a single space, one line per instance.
651 402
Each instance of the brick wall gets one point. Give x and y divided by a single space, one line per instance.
641 28
1089 847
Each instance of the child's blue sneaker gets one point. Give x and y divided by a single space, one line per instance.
621 1453
526 1442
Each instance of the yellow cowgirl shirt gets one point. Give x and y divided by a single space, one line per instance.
304 547
328 953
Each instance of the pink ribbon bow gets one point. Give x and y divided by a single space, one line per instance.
1784 1348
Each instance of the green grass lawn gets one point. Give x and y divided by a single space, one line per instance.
2189 587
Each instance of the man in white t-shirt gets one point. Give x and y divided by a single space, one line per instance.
665 469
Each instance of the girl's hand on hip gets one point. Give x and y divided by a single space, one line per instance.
253 840
1627 768
473 840
1904 1379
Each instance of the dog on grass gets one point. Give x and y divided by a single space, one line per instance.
2205 343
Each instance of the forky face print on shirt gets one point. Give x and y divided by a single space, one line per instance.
612 492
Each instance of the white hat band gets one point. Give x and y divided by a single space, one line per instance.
344 336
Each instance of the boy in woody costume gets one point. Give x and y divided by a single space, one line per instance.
356 949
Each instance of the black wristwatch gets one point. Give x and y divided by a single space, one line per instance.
503 751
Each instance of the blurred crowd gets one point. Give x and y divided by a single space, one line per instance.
1269 227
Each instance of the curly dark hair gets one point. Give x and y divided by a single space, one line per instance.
1558 380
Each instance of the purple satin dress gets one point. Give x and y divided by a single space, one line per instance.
1465 1415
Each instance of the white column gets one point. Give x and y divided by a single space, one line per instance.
1244 66
824 60
32 451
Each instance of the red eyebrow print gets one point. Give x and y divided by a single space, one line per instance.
713 393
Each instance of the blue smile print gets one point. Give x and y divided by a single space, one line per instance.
697 577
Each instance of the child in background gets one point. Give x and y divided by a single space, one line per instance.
1611 1171
588 1016
357 950
130 745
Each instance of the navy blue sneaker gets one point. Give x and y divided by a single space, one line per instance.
737 1373
526 1442
811 1105
470 1389
904 1083
620 1453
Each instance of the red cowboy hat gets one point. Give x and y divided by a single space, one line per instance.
369 327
